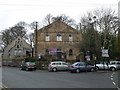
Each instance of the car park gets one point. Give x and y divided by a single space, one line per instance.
58 65
28 66
112 65
81 66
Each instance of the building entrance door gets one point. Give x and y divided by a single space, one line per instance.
59 54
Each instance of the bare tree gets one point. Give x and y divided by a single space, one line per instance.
21 23
48 19
65 19
12 33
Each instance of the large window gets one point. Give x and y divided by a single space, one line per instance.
70 38
59 38
47 38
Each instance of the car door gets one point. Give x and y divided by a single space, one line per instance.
65 66
87 67
118 64
82 66
59 66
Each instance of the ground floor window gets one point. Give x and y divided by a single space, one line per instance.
70 52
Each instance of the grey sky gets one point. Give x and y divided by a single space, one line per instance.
13 11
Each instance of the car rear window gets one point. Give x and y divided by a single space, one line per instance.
112 62
64 63
118 62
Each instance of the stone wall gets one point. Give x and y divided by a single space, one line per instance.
65 45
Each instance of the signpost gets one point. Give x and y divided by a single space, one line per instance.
87 58
105 53
39 55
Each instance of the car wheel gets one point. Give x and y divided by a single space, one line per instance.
54 69
113 69
97 68
27 69
92 70
77 70
21 69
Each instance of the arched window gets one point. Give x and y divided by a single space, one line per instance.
70 52
47 38
70 38
59 38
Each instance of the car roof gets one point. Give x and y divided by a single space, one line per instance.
114 61
57 61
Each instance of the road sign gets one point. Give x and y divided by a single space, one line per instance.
87 58
105 53
39 55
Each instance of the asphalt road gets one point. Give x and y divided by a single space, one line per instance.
15 78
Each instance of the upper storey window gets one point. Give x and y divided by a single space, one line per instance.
47 38
59 38
70 38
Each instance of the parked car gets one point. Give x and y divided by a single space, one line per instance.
58 65
28 66
81 66
113 65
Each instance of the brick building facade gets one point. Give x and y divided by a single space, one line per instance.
59 40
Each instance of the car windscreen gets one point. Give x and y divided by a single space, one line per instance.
30 63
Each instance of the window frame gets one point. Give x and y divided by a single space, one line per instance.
70 38
59 37
47 37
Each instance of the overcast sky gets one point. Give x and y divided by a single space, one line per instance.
13 11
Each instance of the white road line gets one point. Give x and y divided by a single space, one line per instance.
118 88
114 83
111 78
3 86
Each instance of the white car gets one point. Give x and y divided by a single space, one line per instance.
58 65
113 65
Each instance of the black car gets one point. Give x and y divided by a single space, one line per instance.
28 66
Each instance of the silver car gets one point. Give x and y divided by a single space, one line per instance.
58 65
113 65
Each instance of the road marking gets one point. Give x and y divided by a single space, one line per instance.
114 83
118 88
112 80
4 87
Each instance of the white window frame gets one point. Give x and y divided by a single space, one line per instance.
19 52
47 38
59 38
70 38
15 52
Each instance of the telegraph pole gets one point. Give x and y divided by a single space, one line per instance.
36 39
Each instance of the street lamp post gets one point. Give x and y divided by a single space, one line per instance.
92 22
36 40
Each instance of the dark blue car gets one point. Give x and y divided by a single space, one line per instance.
81 66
